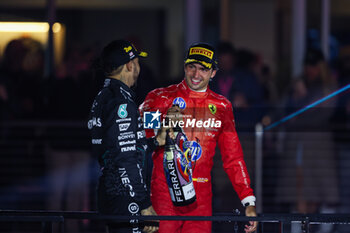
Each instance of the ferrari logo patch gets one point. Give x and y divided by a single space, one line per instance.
212 108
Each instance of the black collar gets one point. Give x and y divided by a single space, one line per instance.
116 84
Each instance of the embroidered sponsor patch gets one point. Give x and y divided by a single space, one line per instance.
180 102
127 49
133 208
201 51
124 126
122 112
212 108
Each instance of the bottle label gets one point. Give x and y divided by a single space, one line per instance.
174 183
169 155
178 172
188 191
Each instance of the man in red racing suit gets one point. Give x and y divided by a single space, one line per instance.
208 118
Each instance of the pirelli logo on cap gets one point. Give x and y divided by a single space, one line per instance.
201 51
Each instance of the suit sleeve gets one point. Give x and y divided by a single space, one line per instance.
232 156
124 134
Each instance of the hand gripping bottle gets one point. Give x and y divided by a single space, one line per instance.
178 172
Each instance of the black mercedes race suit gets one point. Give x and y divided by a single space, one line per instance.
119 143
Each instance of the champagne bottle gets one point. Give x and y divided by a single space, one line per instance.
178 174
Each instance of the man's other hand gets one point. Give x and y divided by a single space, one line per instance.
149 212
250 211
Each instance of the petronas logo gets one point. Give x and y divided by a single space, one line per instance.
122 112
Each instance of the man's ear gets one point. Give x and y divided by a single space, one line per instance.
213 74
129 66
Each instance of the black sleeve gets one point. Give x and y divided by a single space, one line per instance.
152 144
123 118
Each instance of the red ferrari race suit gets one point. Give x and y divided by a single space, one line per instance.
208 118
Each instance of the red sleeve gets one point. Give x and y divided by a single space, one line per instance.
232 156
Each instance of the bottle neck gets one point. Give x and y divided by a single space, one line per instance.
168 140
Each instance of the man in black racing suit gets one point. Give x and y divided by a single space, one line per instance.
119 141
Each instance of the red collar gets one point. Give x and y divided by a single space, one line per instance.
190 93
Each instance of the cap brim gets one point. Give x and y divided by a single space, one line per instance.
143 54
203 63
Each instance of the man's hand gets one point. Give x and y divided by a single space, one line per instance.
253 226
147 212
174 114
161 135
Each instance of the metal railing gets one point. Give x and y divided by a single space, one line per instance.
283 220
